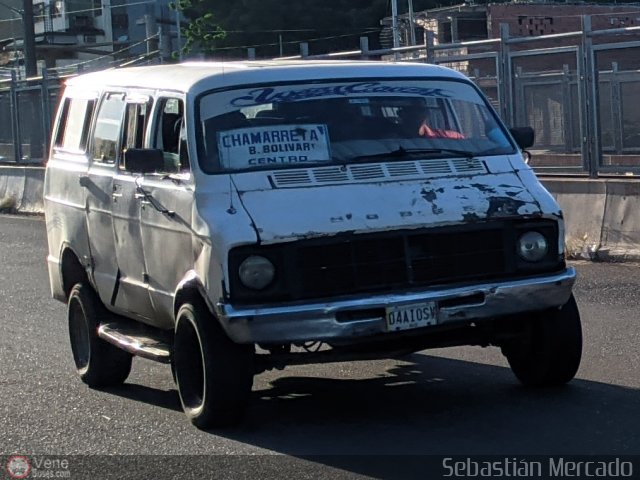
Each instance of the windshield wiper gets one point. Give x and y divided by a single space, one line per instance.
402 152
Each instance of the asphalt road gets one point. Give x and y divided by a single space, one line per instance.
448 401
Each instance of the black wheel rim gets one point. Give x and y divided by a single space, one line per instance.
79 333
189 365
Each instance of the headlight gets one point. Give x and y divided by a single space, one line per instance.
256 272
532 246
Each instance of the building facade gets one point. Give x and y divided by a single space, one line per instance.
470 21
91 33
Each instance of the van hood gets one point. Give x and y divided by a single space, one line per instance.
295 212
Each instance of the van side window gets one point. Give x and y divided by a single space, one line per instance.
135 125
170 135
74 124
107 131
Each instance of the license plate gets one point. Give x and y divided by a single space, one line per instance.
406 317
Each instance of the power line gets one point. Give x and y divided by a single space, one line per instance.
141 57
109 54
86 10
292 42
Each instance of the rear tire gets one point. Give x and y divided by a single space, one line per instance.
98 363
214 375
549 354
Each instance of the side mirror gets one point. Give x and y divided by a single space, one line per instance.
143 160
525 137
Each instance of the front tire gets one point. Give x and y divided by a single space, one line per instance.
550 352
98 363
214 375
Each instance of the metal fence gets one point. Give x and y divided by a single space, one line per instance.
27 107
26 110
579 90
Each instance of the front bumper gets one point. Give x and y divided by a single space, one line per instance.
354 318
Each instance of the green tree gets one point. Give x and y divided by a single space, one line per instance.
328 25
203 32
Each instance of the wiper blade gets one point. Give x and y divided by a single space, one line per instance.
412 152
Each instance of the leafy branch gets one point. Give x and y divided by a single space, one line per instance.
203 31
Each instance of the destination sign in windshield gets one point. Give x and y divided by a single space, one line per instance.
273 145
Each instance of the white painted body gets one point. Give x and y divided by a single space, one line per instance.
139 258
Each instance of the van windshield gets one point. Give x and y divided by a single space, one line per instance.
299 125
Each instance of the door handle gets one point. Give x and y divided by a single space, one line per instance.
115 189
143 197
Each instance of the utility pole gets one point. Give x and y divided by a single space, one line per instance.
30 65
394 23
412 28
28 34
151 30
179 33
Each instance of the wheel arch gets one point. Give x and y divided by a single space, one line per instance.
72 270
191 289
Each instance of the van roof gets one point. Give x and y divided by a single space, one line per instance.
196 77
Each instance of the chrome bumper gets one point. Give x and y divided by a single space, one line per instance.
301 322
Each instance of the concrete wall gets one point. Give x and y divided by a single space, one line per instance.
602 215
21 188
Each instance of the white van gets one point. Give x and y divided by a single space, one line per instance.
229 218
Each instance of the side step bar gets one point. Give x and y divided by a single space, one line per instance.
138 340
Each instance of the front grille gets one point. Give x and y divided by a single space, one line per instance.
372 264
396 260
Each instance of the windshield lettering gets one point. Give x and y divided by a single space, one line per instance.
252 138
278 160
271 95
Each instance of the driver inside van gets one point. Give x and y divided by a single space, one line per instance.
422 121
